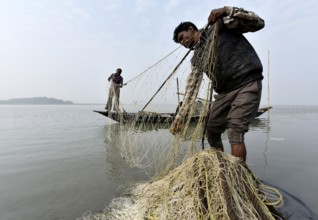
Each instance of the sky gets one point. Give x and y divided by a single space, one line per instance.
66 49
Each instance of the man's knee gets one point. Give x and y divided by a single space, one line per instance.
235 136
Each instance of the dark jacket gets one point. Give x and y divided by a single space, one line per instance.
236 64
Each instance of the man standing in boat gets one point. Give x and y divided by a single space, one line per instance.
116 83
229 60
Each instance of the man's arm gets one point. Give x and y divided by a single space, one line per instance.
110 77
237 19
192 89
121 82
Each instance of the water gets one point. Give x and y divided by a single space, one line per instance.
57 161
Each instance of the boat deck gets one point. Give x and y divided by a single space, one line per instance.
153 117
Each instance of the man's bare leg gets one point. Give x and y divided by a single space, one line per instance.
239 150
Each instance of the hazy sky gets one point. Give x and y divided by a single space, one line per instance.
66 49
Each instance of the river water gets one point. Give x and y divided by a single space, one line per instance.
57 161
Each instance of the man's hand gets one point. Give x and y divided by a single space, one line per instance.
215 14
176 125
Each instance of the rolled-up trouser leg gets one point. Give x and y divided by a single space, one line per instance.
244 107
215 141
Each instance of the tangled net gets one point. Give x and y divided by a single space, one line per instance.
209 185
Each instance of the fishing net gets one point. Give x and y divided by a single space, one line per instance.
209 185
188 181
149 107
143 138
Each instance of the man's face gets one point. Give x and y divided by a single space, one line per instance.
187 38
118 71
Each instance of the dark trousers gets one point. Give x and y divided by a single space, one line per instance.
233 111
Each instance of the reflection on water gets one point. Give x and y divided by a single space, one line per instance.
260 124
257 124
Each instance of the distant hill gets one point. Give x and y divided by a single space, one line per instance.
35 101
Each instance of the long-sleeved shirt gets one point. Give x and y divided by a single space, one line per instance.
116 78
242 21
235 65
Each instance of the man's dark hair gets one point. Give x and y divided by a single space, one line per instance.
183 26
118 69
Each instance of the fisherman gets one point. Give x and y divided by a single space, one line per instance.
114 90
236 74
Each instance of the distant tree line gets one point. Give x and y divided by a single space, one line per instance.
35 101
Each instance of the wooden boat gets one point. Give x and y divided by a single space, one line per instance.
262 110
140 117
153 117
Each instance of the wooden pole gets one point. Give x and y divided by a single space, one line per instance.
268 92
178 93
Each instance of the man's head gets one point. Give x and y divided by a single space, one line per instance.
118 71
185 34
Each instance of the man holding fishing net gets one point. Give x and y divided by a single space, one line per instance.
224 54
114 91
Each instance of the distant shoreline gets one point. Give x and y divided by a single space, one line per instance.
35 101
